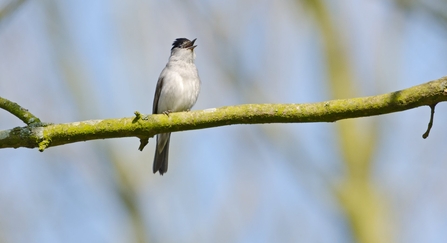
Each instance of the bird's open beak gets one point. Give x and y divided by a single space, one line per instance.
192 45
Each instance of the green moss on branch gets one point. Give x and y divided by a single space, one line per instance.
18 111
426 94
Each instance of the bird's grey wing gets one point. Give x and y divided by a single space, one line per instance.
157 95
145 141
162 139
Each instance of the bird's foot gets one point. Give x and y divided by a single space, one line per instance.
167 112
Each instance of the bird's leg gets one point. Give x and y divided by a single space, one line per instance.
167 112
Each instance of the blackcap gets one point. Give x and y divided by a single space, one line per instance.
177 90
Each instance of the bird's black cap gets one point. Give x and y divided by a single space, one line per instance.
183 43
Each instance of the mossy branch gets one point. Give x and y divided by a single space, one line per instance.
18 111
141 126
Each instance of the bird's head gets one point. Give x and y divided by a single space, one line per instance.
183 49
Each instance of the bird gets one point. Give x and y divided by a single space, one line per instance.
177 90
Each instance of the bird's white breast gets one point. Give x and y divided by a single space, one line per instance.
181 86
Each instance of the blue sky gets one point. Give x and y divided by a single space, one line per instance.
78 60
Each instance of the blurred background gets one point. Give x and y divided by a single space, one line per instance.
360 180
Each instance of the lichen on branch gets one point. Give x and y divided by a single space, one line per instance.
32 136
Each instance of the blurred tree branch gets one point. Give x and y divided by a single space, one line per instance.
33 136
357 140
11 7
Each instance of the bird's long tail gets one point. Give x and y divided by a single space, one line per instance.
161 153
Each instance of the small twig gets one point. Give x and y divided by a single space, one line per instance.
143 143
143 140
137 116
430 124
18 111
